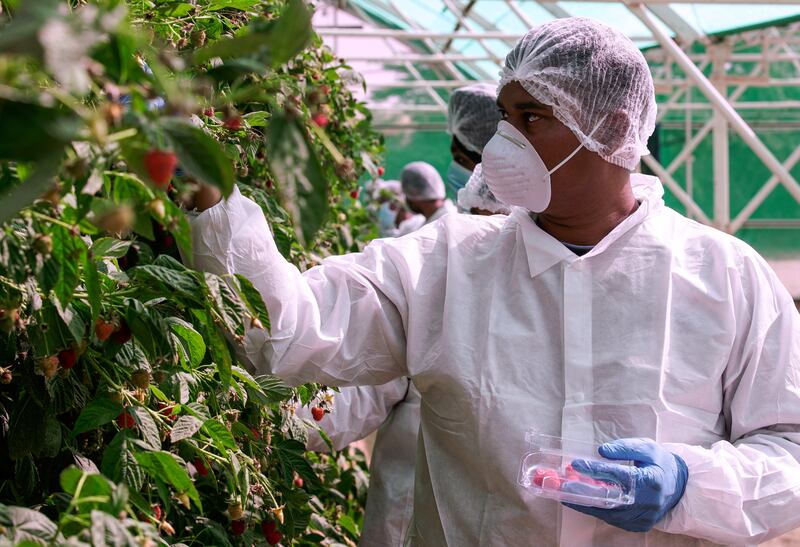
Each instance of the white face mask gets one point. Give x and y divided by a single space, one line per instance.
514 171
386 218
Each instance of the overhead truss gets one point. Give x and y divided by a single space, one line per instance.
702 83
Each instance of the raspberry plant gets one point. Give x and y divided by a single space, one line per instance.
125 415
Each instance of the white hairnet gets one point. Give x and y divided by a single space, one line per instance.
596 80
472 115
422 182
476 195
384 189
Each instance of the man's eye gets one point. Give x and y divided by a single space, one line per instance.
503 115
530 118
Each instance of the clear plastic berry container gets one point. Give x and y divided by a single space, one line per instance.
546 470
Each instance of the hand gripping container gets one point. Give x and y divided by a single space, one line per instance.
546 470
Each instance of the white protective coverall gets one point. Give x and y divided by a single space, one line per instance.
393 410
418 221
667 329
358 411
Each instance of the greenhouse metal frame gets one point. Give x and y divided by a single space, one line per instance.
696 74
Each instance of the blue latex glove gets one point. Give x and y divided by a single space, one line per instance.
659 477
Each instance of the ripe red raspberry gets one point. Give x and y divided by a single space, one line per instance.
320 119
125 420
238 527
103 329
202 470
67 358
160 166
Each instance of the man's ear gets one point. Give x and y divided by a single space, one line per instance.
615 126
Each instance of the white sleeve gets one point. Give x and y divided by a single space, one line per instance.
357 412
747 491
340 323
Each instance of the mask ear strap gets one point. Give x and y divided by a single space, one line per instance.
565 160
572 155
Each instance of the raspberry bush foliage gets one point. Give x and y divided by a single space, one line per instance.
126 417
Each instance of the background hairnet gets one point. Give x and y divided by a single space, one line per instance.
596 80
472 115
476 195
421 182
387 189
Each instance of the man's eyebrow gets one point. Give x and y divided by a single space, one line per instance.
529 105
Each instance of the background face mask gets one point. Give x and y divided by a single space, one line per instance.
386 217
457 177
514 171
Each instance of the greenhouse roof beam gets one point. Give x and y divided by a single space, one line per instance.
721 106
412 70
440 84
467 25
690 146
744 105
795 56
478 18
686 32
391 7
460 12
431 45
747 211
676 189
674 99
435 58
524 19
409 35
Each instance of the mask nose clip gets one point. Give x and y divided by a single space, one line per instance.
511 139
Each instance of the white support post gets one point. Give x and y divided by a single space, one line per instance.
720 103
689 169
721 146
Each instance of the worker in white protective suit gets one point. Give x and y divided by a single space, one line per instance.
592 312
472 117
477 199
425 195
393 409
390 211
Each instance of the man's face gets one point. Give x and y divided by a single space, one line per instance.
460 157
412 206
551 139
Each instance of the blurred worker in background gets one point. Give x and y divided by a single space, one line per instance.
425 193
477 199
390 208
472 118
